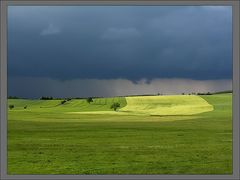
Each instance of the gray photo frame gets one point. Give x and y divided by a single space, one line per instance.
3 84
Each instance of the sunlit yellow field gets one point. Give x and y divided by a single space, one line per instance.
160 105
167 105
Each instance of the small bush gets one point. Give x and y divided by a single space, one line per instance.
11 106
63 101
89 100
25 107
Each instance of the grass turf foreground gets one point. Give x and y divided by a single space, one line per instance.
45 139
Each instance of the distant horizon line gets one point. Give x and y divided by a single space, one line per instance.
157 94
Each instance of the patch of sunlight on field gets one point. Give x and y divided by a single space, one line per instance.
160 105
167 105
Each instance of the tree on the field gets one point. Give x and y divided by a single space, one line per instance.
115 106
63 101
25 107
89 100
11 106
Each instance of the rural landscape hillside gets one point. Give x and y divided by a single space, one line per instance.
187 134
120 89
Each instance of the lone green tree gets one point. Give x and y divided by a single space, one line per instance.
89 100
11 106
115 106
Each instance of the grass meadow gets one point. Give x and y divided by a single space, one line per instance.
183 134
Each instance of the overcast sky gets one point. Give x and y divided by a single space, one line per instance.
118 50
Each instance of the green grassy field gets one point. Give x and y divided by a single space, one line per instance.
147 135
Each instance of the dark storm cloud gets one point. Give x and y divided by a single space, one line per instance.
29 87
67 43
120 33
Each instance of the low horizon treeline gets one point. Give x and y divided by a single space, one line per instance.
158 94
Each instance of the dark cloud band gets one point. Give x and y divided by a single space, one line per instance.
37 87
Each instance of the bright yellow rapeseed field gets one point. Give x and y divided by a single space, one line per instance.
167 105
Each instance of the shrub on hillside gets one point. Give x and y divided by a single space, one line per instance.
63 101
89 100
